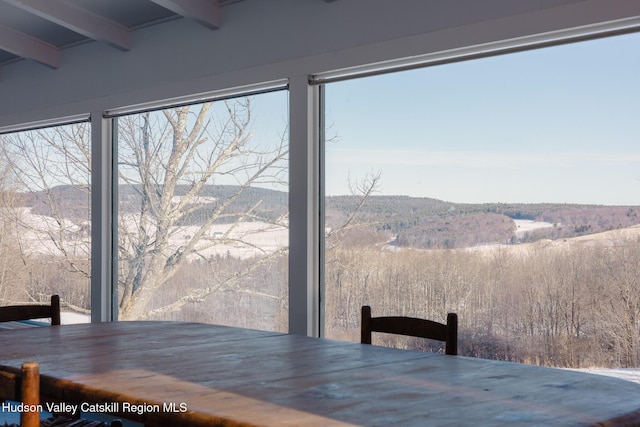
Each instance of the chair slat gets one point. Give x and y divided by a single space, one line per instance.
13 313
411 326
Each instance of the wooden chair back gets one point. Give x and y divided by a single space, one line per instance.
25 388
411 326
14 313
9 385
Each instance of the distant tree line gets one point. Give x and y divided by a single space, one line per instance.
429 223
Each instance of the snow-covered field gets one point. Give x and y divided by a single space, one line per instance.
628 374
239 240
524 226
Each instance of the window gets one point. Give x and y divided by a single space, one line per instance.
506 189
45 218
202 213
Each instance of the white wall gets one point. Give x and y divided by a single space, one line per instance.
263 40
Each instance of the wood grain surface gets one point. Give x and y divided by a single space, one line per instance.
169 373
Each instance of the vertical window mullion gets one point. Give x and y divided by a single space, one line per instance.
303 208
101 219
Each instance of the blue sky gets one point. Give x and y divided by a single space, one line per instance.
559 124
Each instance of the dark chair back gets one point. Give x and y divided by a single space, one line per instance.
411 326
13 313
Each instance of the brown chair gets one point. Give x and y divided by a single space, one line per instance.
14 313
411 326
25 388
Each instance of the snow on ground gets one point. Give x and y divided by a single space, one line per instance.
67 318
37 240
239 240
524 226
628 374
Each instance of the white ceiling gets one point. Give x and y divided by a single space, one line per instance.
257 43
38 29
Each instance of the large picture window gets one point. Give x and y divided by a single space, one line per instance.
506 189
45 218
203 213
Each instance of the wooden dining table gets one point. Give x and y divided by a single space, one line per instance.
191 374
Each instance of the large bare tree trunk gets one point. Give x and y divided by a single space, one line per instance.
170 158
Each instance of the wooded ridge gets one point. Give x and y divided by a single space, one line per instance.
418 222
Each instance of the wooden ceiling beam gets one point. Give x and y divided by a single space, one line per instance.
79 20
205 12
25 46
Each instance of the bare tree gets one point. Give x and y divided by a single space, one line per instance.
169 159
620 277
168 163
8 244
38 163
362 190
